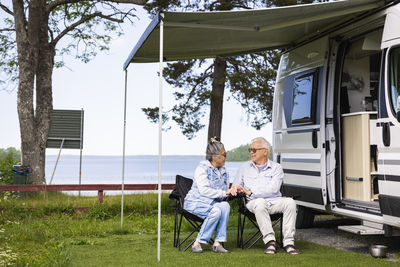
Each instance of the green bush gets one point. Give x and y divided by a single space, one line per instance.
8 158
100 211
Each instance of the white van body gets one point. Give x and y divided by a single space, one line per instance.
336 129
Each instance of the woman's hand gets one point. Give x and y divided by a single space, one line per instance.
232 191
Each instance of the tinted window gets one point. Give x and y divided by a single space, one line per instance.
394 78
304 98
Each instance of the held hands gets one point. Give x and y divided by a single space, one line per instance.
234 190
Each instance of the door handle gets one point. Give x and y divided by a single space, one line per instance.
314 138
386 133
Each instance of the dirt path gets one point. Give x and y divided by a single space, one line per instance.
325 233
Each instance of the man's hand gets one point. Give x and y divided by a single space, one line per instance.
241 189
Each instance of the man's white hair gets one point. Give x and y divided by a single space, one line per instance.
264 142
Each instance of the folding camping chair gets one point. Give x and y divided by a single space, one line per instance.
243 211
183 186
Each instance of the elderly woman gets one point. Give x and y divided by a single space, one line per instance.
205 198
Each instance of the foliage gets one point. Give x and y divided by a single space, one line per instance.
250 78
240 153
100 212
11 151
8 158
85 28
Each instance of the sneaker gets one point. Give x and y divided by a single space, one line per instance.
219 249
197 249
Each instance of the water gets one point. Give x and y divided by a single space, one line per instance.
138 169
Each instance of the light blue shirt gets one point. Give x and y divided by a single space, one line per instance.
265 183
209 185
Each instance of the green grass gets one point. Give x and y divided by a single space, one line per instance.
140 250
45 230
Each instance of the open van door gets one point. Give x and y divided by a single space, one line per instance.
299 125
388 123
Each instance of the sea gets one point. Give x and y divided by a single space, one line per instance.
139 169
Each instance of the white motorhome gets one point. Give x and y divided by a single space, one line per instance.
336 123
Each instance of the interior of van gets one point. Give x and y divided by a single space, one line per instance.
358 100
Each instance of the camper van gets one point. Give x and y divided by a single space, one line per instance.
336 123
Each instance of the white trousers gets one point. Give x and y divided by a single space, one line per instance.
262 210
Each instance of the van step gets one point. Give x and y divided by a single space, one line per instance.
361 230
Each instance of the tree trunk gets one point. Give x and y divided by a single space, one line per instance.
217 98
35 59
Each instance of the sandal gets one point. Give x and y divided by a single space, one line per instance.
270 248
290 249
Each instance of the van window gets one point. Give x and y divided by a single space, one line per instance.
304 99
394 76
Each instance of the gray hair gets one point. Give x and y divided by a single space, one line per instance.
264 142
214 147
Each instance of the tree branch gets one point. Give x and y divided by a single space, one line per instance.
7 30
202 79
19 19
6 9
81 21
57 3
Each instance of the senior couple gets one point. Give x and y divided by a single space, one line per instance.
259 179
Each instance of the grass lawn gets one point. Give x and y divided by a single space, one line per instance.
48 231
141 250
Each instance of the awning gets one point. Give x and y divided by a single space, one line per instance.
189 35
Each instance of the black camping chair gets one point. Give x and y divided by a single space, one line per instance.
183 186
253 239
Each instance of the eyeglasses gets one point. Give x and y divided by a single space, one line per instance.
224 154
254 150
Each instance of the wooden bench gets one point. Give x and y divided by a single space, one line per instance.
83 187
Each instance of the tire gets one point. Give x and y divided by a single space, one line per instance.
305 217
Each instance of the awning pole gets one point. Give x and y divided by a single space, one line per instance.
160 134
123 152
80 148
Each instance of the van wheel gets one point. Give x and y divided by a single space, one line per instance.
305 217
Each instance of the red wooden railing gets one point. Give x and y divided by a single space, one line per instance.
83 187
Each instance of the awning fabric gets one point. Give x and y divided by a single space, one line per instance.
189 35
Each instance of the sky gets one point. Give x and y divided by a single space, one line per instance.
98 88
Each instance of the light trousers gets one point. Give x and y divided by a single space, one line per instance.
262 209
216 220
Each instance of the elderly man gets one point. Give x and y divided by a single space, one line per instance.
261 179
